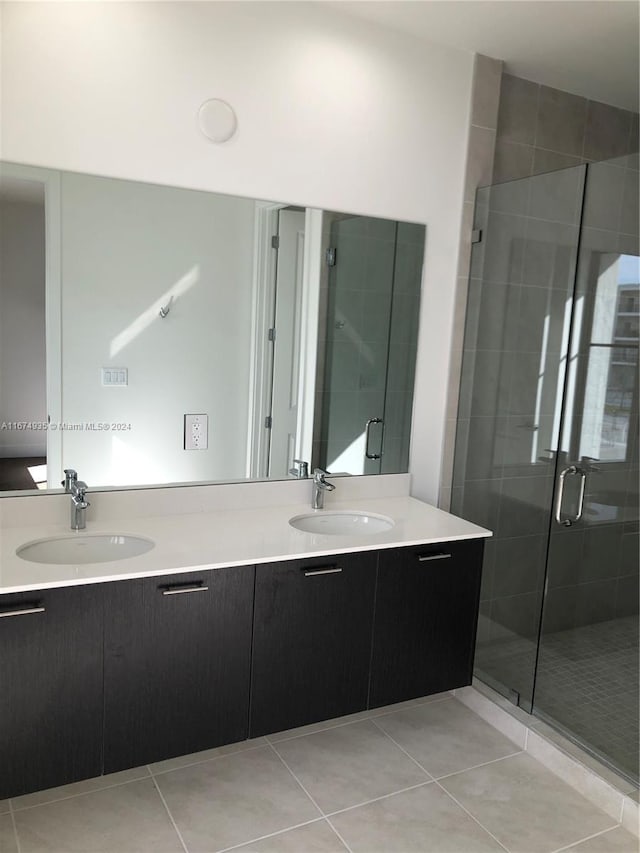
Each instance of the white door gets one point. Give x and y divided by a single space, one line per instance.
287 345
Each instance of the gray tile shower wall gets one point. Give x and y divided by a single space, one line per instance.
540 129
485 99
519 128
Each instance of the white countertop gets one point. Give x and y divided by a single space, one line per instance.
222 538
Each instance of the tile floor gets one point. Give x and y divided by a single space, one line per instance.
428 776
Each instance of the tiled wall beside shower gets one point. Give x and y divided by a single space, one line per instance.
541 129
520 128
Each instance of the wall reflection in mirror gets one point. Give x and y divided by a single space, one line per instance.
284 333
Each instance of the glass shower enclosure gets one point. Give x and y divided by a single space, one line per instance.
547 448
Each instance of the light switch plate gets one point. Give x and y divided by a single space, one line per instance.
196 432
115 376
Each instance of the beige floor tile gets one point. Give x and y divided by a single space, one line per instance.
4 806
234 799
631 815
446 737
423 820
127 818
8 843
615 841
316 837
525 806
317 727
97 783
349 765
574 773
205 755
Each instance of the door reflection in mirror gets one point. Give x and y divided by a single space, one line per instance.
23 450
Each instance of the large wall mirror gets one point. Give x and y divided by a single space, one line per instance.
154 335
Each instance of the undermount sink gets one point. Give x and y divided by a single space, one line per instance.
86 548
342 523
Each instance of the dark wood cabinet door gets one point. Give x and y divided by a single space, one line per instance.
311 640
177 665
425 621
50 688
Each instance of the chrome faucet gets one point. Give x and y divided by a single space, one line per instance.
300 469
79 503
320 486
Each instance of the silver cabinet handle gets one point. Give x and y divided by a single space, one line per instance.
333 570
180 590
22 611
571 470
424 558
367 430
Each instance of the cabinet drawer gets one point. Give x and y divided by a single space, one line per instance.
312 640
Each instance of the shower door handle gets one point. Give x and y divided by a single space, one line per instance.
572 470
583 486
367 430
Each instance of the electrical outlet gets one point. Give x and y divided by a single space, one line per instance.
196 432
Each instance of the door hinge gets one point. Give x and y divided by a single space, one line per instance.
268 422
275 242
271 335
330 256
476 235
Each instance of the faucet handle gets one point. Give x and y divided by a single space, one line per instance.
319 475
588 464
300 469
70 476
79 494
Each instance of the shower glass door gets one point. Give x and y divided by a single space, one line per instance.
587 673
513 375
547 448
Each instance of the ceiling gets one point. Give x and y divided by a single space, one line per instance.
588 47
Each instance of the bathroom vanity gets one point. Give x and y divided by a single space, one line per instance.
112 665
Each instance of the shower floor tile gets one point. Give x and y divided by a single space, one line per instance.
587 683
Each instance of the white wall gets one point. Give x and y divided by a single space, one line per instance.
332 112
22 326
125 248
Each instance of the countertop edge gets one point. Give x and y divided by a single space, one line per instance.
205 567
308 549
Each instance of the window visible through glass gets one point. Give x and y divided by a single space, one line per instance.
611 386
